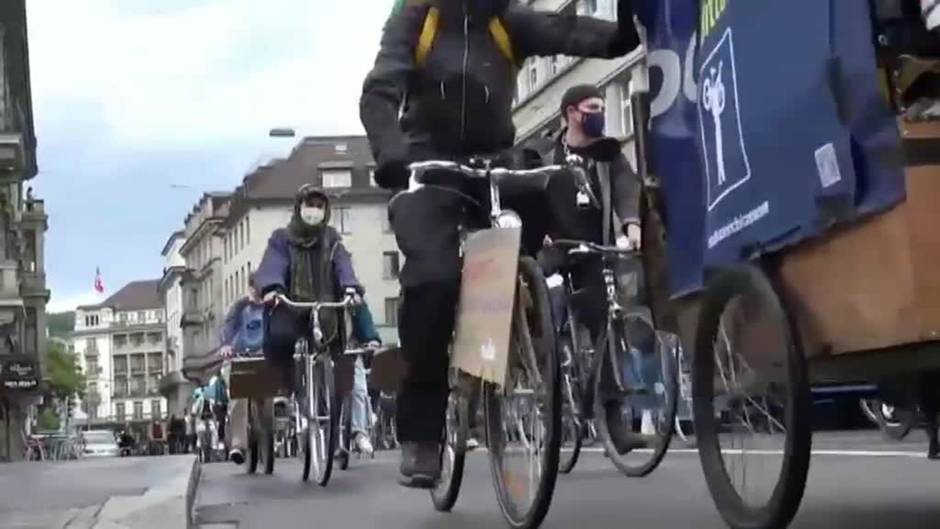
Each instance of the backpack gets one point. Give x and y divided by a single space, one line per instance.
429 33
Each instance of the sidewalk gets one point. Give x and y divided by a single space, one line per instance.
106 493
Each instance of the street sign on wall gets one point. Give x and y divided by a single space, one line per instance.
19 373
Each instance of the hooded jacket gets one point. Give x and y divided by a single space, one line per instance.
459 102
274 272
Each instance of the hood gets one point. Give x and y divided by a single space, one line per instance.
477 10
308 191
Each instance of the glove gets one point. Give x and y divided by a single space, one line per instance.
352 293
392 174
627 38
271 297
631 237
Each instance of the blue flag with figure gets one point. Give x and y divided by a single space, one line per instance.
767 127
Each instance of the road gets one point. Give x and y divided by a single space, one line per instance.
881 485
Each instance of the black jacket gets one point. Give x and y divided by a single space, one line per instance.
626 189
460 102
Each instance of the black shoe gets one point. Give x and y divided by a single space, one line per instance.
420 465
237 456
933 452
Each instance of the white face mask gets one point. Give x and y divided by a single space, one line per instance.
311 215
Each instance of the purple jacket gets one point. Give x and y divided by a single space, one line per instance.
274 271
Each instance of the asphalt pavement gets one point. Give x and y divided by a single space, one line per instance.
856 480
52 495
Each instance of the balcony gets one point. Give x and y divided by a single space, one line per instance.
34 282
192 317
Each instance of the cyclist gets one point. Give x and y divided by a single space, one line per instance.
307 262
455 99
576 217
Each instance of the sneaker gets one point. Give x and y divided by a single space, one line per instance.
420 465
363 446
472 444
237 456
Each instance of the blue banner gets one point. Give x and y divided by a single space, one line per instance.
767 127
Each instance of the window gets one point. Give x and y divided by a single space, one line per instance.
141 316
248 230
138 410
120 364
138 385
391 311
155 363
390 265
120 386
137 339
372 181
137 363
91 366
241 234
337 178
587 7
339 219
91 345
626 111
119 411
533 68
91 320
340 148
153 384
156 409
123 317
555 65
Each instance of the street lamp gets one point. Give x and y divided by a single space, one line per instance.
284 132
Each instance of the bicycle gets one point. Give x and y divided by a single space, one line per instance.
346 434
520 392
316 417
612 382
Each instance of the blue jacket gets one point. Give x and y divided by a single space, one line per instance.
274 271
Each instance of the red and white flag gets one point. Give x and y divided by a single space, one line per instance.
99 283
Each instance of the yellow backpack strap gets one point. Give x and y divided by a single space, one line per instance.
426 39
501 36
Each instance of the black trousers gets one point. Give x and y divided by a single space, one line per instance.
427 225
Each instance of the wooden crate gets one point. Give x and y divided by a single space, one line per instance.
253 378
874 284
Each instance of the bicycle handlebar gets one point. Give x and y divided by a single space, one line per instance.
590 247
317 305
366 350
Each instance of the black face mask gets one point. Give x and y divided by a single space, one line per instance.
593 124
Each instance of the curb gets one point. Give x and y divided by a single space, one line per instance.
166 505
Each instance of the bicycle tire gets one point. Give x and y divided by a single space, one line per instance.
446 491
345 435
531 283
267 436
572 424
254 451
780 508
325 402
602 411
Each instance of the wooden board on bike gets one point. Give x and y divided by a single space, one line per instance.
484 315
874 284
253 378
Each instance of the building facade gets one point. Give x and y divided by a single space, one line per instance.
174 387
23 222
121 347
543 80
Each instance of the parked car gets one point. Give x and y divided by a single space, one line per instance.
99 443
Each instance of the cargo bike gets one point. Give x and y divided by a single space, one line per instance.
321 379
853 296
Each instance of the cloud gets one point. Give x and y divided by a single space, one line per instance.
132 96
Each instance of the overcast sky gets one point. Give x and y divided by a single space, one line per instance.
142 105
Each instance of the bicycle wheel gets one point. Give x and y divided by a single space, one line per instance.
751 393
324 418
453 454
301 401
523 419
266 434
572 425
345 435
635 425
254 446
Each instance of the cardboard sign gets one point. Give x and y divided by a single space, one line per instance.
487 292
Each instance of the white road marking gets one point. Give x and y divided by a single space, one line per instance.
844 453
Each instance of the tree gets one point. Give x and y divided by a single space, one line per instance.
66 380
61 324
